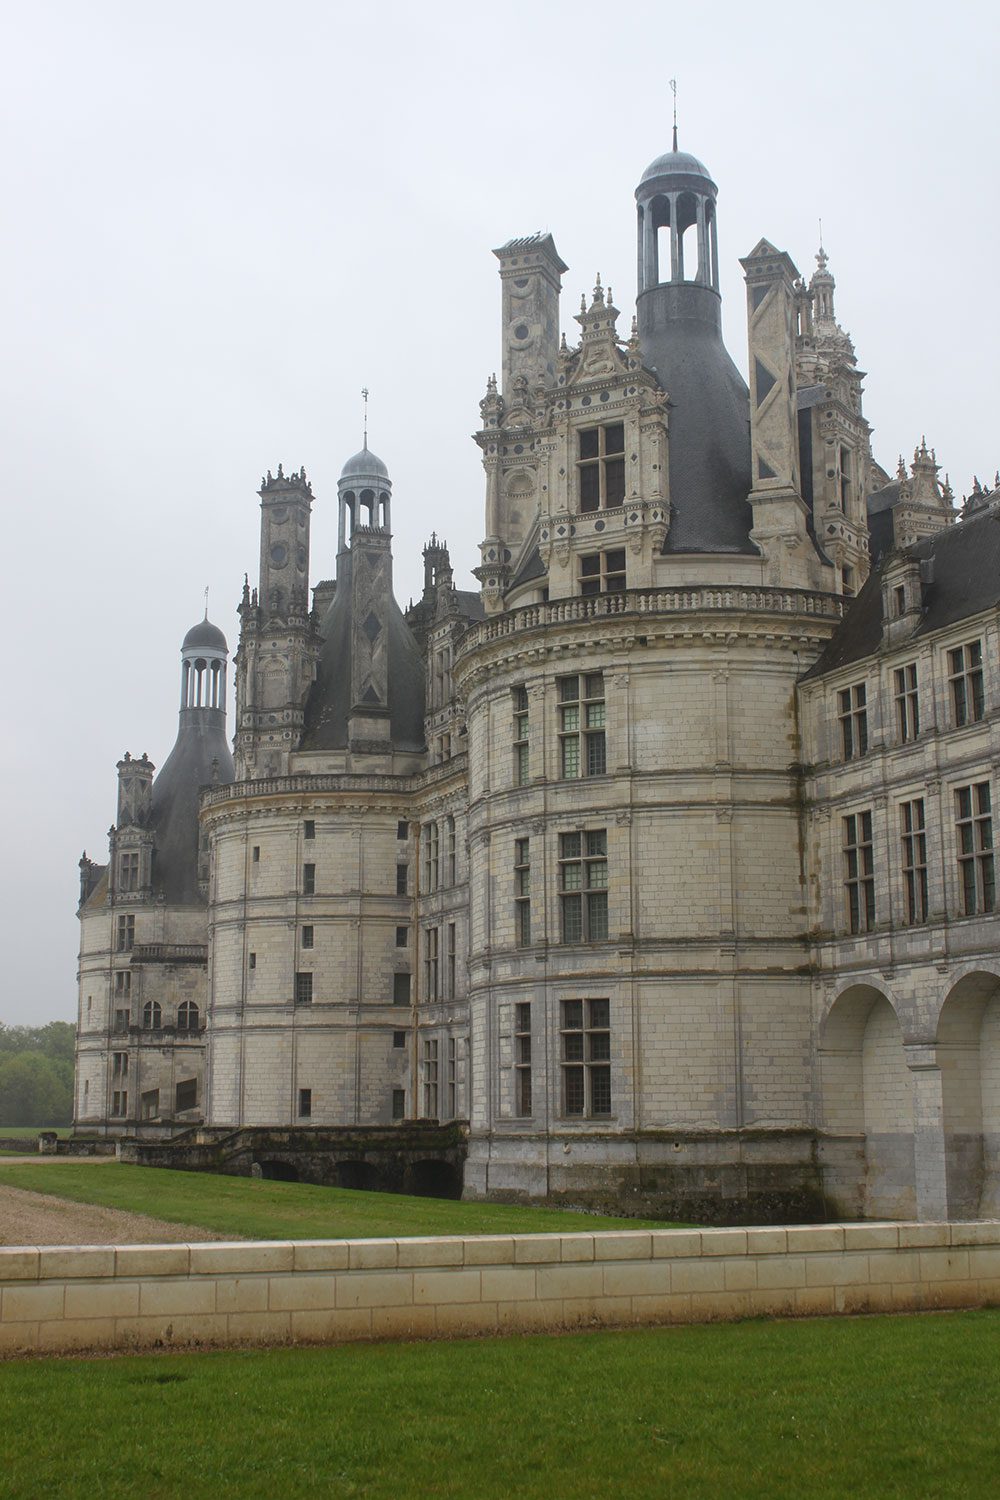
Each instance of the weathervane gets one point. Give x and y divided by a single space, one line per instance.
364 396
206 602
673 90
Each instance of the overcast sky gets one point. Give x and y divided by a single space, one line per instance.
224 218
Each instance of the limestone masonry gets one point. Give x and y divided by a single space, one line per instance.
664 863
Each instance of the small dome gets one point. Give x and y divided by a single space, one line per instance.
676 164
364 465
206 637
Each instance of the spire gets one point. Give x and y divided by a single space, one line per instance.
364 397
673 90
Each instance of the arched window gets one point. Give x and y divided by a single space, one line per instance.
152 1015
187 1016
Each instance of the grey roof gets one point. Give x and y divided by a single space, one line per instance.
364 465
964 581
329 703
201 739
676 164
680 333
469 602
530 566
206 635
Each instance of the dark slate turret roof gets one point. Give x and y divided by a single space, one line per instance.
329 704
962 578
201 740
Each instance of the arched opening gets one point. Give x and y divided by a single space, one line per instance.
383 501
187 1016
152 1015
867 1107
661 269
367 502
968 1053
360 1175
688 267
712 244
277 1171
433 1178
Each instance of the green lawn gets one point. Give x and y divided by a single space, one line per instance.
263 1210
857 1407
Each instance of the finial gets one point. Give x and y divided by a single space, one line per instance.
583 302
364 397
281 472
673 90
901 468
206 602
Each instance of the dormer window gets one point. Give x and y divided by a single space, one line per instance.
601 466
899 601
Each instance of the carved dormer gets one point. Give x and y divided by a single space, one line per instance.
902 598
923 507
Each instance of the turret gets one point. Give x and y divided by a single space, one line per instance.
679 312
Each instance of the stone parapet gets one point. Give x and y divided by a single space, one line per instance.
57 1299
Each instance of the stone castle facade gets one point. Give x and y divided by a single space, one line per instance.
665 861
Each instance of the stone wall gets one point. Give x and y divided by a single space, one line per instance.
327 1291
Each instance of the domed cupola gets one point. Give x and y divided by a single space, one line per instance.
679 313
204 655
364 491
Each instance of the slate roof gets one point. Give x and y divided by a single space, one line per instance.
964 580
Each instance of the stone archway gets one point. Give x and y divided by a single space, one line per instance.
968 1052
867 1106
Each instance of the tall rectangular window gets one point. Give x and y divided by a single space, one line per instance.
308 935
603 572
914 836
586 1057
583 886
125 941
399 1104
859 872
308 880
520 736
907 703
402 879
309 829
128 870
522 892
303 988
582 745
121 1022
431 963
452 1078
601 466
305 1103
402 829
123 985
431 857
402 937
853 712
451 959
451 849
522 1058
846 466
430 1078
974 827
965 676
119 1103
119 1065
400 989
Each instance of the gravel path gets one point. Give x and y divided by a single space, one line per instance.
39 1219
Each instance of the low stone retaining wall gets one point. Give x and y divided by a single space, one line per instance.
326 1291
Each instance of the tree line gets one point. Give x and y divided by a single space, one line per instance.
36 1074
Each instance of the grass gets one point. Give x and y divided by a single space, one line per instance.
257 1209
862 1407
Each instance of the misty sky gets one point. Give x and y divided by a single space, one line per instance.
224 218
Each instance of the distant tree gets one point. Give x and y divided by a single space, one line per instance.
35 1090
36 1074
